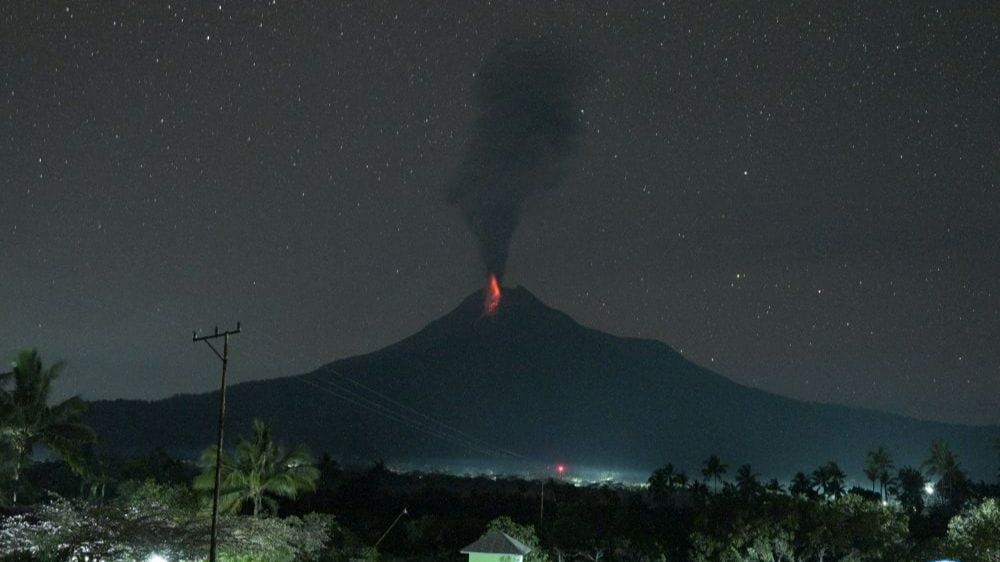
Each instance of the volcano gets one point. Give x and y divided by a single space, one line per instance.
529 384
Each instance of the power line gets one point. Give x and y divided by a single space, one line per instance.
384 412
388 413
460 437
425 416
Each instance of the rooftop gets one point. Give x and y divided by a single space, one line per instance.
496 542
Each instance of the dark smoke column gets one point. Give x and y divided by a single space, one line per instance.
526 129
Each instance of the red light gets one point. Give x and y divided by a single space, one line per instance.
560 468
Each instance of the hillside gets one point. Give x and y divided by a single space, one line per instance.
532 381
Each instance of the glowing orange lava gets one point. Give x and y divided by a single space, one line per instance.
492 301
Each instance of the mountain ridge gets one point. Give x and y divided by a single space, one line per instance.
533 380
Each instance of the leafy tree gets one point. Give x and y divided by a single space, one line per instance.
257 470
525 534
748 541
974 534
7 461
851 528
909 489
159 466
143 494
865 493
714 469
27 420
955 486
797 529
329 471
95 476
828 479
877 467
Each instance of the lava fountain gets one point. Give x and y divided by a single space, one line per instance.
492 301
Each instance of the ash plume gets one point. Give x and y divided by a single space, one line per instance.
526 129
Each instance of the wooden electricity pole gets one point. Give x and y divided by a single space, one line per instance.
224 356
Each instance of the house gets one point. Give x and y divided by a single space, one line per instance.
496 546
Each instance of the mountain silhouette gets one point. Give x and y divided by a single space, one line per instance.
530 385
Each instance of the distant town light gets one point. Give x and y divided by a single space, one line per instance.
929 488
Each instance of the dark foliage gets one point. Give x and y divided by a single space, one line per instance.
676 518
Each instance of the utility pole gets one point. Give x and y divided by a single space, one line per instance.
541 507
224 356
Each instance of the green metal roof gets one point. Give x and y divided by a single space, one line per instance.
496 542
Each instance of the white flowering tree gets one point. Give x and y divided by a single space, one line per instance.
156 520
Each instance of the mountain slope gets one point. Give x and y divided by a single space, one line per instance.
533 381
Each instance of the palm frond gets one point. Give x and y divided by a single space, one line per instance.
258 468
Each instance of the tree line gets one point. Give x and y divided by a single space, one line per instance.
940 478
282 503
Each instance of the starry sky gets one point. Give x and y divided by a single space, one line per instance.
802 196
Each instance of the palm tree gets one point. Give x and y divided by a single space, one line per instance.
662 480
699 488
829 480
877 467
909 489
257 470
801 485
836 479
680 480
773 486
665 480
746 481
885 481
938 458
996 446
714 469
27 420
943 464
871 469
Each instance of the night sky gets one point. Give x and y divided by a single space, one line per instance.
803 197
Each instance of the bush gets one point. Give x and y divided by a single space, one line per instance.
974 534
